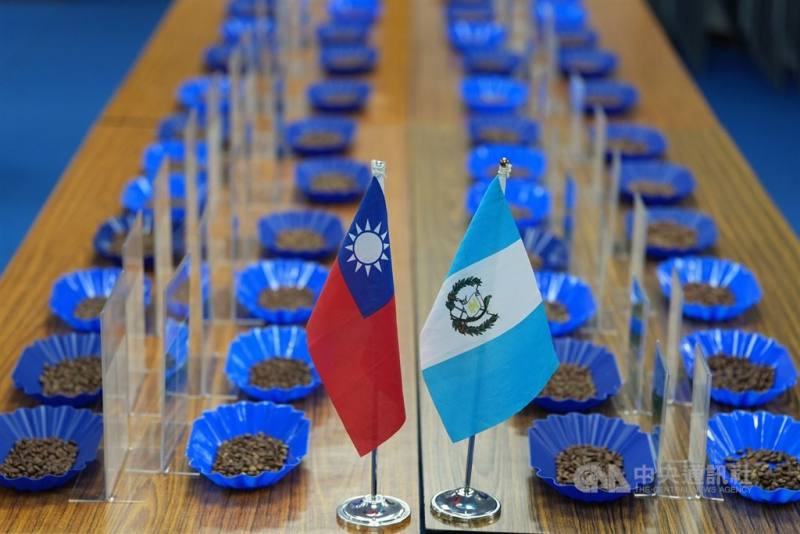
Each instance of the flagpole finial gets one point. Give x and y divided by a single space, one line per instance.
504 172
378 170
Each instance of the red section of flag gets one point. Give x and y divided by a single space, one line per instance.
358 359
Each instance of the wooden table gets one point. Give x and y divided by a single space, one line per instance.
415 123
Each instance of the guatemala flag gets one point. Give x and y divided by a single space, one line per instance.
485 349
352 332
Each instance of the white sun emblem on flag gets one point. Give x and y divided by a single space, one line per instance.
367 246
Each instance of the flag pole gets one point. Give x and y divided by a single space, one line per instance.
467 505
373 511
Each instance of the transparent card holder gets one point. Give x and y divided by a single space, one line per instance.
657 409
681 389
163 253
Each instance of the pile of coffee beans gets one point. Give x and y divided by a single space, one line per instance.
740 374
498 135
651 188
520 212
286 298
570 381
72 377
556 312
345 98
90 308
280 372
627 146
250 454
313 139
668 234
707 295
117 243
590 468
38 457
601 100
300 239
333 182
764 468
348 62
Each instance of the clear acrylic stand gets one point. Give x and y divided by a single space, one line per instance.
163 253
599 142
682 469
632 399
653 425
680 392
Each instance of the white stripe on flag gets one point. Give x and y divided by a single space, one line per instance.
508 277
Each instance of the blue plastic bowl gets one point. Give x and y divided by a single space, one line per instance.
72 288
171 127
601 364
355 11
624 95
173 149
550 248
53 350
732 432
492 62
573 293
700 222
192 94
502 129
226 422
234 28
479 12
215 57
139 193
465 35
493 94
339 95
567 14
348 59
578 38
716 272
343 129
548 437
526 163
328 225
588 63
114 226
275 274
262 344
333 34
751 346
654 143
521 194
680 178
307 171
84 427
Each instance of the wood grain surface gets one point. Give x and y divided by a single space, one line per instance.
415 123
751 231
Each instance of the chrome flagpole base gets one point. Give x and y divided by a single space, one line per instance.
370 512
466 506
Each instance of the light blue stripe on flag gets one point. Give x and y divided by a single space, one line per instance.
491 230
488 384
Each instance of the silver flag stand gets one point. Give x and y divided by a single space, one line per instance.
373 511
466 505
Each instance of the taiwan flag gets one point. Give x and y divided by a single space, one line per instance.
352 333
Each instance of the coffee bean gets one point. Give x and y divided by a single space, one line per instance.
764 468
300 239
72 377
250 454
286 298
280 372
590 468
651 188
570 381
38 457
740 374
333 182
90 308
707 295
669 234
556 312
